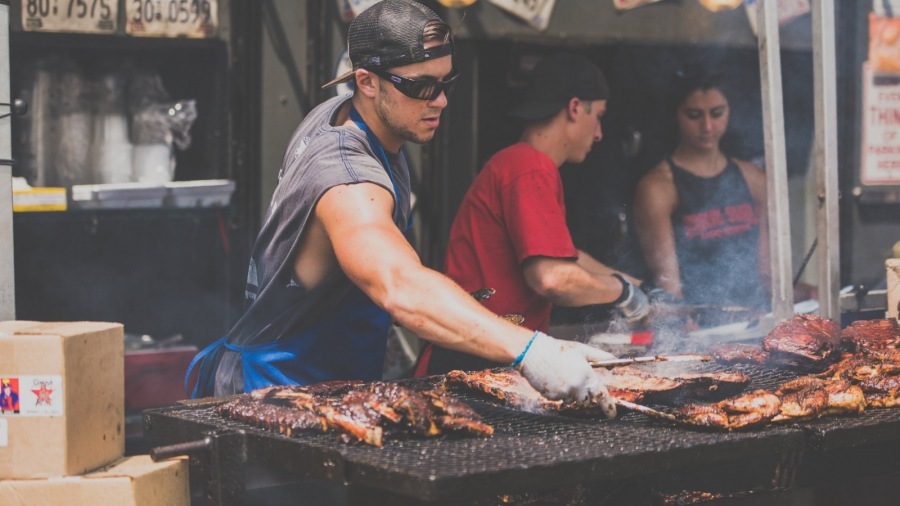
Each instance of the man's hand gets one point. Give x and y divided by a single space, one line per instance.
633 303
657 295
560 370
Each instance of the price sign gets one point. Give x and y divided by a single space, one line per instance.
880 150
172 18
85 16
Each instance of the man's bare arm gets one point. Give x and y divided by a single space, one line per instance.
373 253
565 283
597 268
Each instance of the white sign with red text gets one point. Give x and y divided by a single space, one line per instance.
880 150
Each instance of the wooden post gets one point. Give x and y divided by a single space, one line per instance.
776 164
7 280
828 219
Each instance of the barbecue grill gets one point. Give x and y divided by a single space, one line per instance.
528 452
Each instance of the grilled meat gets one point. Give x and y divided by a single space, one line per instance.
740 412
663 384
732 353
883 392
416 411
285 420
358 411
457 415
857 368
869 335
513 389
844 398
803 340
809 397
628 383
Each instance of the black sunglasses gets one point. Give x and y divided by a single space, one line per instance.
420 89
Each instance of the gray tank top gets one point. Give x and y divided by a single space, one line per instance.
319 156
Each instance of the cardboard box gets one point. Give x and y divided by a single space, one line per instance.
68 417
133 481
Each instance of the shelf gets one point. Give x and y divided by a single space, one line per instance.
163 213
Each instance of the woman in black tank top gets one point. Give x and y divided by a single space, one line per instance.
701 215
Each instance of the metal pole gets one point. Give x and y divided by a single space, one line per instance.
7 280
776 165
827 222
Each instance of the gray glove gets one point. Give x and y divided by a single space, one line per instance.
657 295
560 370
633 303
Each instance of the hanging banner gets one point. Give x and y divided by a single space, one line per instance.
880 150
624 5
172 18
535 12
80 16
788 10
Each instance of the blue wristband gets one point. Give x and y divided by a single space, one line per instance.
521 356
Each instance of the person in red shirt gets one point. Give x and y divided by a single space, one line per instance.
510 231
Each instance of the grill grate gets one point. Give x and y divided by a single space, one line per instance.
529 451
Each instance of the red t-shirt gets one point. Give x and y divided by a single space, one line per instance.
514 210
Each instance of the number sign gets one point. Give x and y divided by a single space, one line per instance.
171 18
85 16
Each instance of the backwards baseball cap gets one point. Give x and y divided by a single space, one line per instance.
390 34
557 79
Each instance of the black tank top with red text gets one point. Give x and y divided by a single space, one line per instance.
716 238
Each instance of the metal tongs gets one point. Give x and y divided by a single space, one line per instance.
646 410
614 362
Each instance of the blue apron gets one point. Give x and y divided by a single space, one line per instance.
349 344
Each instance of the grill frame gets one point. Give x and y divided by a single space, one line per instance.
531 452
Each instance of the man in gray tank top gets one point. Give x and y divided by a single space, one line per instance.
331 267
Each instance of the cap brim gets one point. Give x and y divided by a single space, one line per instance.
535 110
346 76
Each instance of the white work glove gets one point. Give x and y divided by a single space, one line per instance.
633 303
560 370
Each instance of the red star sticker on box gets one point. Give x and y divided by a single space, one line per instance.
43 395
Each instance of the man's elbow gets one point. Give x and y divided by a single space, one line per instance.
549 285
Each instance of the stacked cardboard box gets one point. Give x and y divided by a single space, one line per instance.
62 420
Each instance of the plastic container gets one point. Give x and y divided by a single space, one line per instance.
201 193
118 196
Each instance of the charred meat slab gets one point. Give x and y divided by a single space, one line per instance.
804 339
357 411
739 353
870 335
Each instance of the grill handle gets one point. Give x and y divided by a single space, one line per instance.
191 448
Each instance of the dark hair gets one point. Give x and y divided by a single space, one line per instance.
437 31
690 79
686 81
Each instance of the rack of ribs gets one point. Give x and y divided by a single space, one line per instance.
358 411
804 339
629 383
872 335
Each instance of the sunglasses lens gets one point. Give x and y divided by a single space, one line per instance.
422 90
